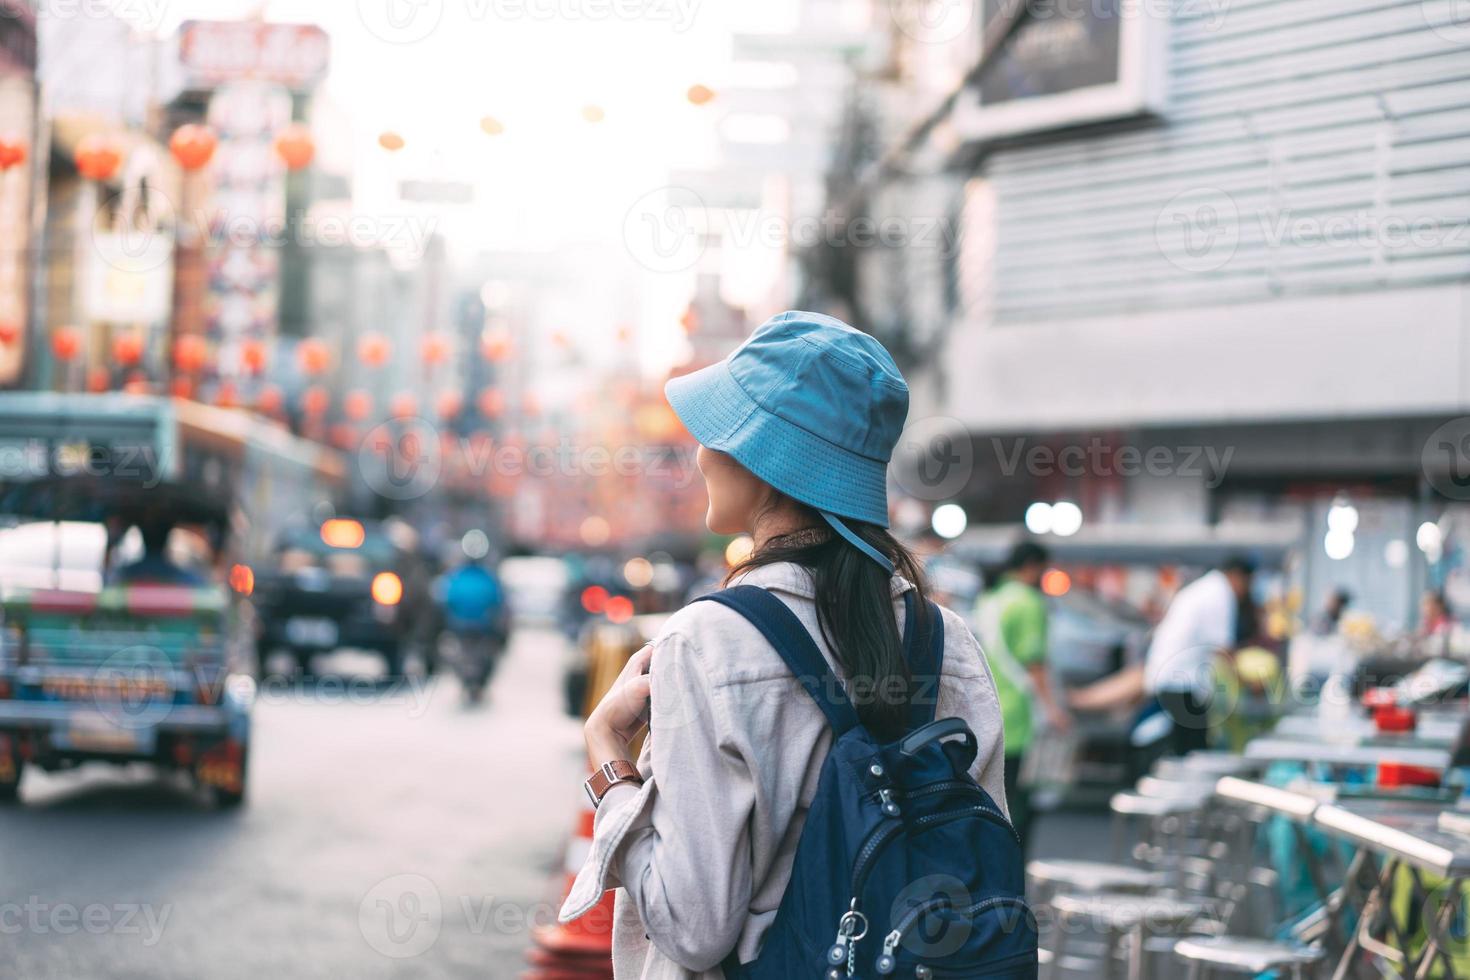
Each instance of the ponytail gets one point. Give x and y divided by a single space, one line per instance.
855 614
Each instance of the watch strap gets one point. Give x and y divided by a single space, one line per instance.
608 775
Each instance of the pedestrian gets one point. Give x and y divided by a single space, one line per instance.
1435 618
1011 619
1199 625
796 427
1330 618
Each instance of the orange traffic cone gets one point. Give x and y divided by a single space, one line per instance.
579 950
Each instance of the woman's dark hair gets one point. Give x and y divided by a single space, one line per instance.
855 614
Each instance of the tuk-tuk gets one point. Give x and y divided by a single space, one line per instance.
125 653
124 624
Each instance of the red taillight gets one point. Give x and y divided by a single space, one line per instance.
619 609
242 579
594 599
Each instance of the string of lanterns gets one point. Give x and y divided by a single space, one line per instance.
99 157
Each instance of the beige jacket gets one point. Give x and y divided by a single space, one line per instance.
703 850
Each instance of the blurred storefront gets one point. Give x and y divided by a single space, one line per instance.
19 126
1219 252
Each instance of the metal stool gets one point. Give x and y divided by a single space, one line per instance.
1233 954
1092 876
1122 920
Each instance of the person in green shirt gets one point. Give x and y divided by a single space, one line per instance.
1012 623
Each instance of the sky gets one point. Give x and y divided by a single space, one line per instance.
430 70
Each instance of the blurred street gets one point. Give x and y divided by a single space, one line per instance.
352 797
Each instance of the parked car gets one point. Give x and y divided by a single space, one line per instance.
345 583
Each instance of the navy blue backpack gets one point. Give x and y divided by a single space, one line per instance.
906 867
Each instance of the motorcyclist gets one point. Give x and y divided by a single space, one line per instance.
476 613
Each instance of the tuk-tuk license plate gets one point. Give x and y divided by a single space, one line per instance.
96 732
311 631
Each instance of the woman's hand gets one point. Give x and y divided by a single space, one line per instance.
621 714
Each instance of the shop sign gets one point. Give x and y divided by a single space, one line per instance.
215 52
1071 62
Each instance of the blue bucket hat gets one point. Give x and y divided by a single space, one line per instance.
811 406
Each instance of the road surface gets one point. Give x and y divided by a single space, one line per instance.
389 832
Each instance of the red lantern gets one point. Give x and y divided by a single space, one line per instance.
9 331
403 405
315 400
137 384
253 355
435 348
181 388
357 405
193 146
296 147
226 396
98 380
66 343
190 352
127 348
314 356
374 350
448 404
491 402
269 400
700 94
97 158
12 152
495 346
343 436
391 141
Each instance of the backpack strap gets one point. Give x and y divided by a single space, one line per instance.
924 650
779 625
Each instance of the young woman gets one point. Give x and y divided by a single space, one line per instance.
796 429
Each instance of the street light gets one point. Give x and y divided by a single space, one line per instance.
1038 518
949 521
1066 519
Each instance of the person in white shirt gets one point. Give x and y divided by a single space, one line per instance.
1179 671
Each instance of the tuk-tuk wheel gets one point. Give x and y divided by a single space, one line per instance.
225 800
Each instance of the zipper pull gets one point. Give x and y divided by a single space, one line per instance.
890 808
886 963
837 954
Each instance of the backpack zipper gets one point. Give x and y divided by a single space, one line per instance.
888 831
887 961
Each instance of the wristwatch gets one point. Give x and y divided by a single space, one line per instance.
608 775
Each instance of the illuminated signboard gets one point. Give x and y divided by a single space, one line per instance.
1071 62
215 52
